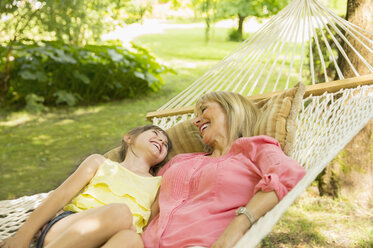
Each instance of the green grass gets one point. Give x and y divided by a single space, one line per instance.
39 151
189 44
37 154
322 222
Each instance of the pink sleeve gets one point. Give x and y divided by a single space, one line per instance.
277 171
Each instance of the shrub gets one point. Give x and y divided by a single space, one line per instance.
234 35
65 74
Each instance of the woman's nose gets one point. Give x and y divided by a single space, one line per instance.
197 121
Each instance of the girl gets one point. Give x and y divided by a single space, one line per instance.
104 203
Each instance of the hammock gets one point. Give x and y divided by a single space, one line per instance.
275 58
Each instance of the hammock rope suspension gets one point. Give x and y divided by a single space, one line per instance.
275 58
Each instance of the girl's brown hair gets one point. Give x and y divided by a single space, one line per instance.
136 132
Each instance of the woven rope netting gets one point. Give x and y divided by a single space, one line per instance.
276 57
326 124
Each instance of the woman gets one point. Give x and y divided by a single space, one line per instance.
211 199
105 204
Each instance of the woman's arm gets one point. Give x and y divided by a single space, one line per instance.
260 204
54 202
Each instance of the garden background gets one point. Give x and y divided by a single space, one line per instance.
77 75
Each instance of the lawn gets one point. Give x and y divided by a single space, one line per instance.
39 151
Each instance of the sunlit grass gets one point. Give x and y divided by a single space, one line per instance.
189 44
315 221
40 150
37 155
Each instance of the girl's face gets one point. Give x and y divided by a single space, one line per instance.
152 145
211 122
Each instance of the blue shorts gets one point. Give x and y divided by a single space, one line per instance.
53 221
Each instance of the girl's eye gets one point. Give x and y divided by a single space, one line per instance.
203 109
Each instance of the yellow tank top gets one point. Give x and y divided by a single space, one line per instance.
115 184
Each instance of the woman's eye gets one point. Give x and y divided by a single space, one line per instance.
203 109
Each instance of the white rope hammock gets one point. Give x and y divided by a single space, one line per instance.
275 58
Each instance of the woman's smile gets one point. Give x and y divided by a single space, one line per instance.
212 123
203 127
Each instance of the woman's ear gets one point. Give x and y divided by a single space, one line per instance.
127 138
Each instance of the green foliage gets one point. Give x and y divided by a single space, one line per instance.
137 9
319 72
70 21
207 9
67 74
244 8
235 35
34 103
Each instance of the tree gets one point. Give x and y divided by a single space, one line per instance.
351 173
136 10
208 11
244 8
24 12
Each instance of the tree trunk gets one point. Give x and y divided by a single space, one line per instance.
5 76
350 174
360 13
240 26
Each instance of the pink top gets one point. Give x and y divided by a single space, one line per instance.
200 194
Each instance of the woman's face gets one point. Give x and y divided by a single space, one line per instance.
152 145
211 122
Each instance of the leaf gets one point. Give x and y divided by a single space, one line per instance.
139 75
41 76
34 103
65 97
115 56
27 75
61 57
81 77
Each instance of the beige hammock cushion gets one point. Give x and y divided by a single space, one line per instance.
278 116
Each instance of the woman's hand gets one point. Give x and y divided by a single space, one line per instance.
234 232
260 204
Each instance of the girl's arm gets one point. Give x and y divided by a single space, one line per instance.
260 204
54 202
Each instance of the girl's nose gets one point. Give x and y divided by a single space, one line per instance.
161 140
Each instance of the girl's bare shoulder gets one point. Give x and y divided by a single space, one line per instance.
92 162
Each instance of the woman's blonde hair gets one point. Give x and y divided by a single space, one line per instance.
242 113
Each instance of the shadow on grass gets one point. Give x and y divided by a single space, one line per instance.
295 232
